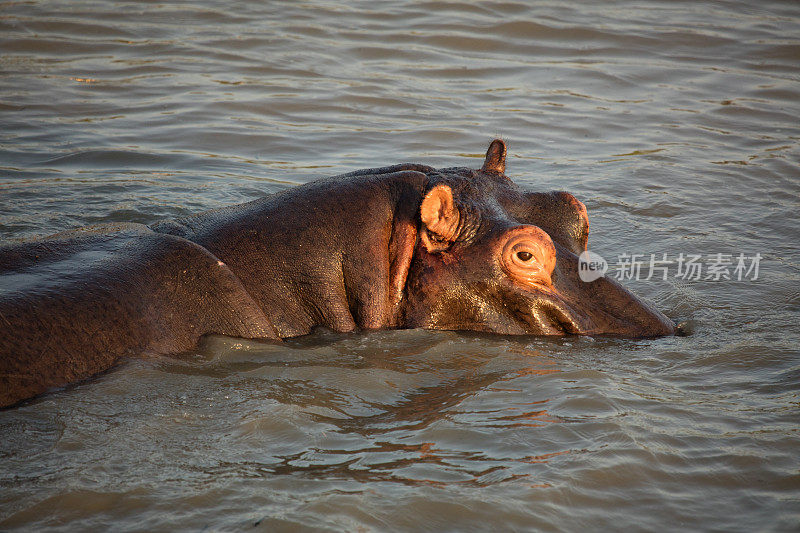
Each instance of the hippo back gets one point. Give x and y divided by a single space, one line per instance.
73 304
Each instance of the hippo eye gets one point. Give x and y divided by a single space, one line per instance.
529 256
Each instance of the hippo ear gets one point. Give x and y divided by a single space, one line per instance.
440 217
495 157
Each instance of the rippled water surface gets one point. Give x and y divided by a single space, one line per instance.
675 122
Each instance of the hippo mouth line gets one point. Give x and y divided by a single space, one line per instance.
554 315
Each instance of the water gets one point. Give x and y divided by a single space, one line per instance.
677 125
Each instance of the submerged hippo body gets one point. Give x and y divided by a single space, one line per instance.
398 247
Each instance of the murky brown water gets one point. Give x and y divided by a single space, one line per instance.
677 125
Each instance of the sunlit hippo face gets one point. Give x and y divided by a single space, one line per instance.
492 257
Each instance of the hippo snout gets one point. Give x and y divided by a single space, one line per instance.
609 308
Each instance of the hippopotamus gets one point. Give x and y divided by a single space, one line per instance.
404 246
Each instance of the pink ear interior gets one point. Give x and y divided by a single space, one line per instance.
438 212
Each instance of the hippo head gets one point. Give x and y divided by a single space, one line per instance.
492 257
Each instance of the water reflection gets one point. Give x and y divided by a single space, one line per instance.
377 409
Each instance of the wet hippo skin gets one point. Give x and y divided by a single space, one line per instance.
404 246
